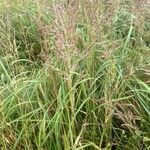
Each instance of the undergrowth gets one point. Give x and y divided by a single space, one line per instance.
74 75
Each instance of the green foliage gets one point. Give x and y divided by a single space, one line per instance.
73 85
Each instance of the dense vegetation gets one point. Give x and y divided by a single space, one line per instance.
74 75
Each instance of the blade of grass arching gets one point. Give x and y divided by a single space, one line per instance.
146 87
140 94
143 103
94 146
17 105
84 146
30 115
13 95
115 100
5 71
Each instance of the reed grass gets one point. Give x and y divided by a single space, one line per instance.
74 75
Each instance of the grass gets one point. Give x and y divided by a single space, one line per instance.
74 75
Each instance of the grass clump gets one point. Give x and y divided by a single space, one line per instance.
74 75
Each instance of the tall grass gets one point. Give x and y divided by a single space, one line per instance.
74 75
